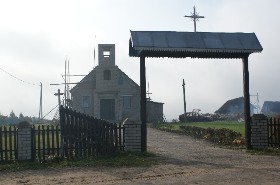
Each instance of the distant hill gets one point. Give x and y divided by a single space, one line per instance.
271 108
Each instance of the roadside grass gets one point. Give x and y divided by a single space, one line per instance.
228 133
236 126
232 125
121 159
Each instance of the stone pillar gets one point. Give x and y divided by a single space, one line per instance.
132 136
259 132
24 141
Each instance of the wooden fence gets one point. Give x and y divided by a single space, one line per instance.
84 135
8 143
45 141
274 132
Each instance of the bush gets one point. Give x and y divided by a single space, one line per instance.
220 136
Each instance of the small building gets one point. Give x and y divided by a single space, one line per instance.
108 93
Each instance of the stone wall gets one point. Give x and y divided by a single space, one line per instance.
259 132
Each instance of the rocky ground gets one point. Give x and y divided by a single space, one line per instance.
183 160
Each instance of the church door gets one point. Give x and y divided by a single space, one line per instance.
107 109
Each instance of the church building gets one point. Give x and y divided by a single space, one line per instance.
108 93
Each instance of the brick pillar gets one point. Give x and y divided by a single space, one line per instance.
24 141
259 132
132 136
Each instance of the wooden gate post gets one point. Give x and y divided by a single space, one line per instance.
143 104
246 102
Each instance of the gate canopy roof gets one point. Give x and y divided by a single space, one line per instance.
192 44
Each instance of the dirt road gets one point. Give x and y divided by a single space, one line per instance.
184 161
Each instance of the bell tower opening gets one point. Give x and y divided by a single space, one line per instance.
106 54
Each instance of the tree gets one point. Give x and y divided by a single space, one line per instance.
2 118
21 117
13 119
12 114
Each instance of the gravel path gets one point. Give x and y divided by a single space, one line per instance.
184 161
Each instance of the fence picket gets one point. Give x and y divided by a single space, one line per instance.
48 140
53 147
10 143
274 132
5 143
15 143
1 141
39 141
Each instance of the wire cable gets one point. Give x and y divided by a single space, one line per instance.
49 112
23 81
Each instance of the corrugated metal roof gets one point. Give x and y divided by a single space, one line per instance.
193 44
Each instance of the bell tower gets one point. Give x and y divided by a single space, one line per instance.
106 54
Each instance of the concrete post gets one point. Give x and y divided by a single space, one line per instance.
24 141
132 136
259 132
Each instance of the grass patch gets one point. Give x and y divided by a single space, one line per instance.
122 159
236 126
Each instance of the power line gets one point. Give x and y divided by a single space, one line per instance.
23 81
48 112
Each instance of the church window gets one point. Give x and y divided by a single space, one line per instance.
120 81
86 101
107 75
127 101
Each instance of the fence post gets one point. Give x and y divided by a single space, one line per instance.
24 141
132 136
259 131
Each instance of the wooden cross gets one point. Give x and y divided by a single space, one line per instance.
58 94
194 16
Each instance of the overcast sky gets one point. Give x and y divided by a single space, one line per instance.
36 37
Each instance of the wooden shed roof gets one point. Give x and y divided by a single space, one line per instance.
192 44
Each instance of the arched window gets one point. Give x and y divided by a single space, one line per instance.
107 75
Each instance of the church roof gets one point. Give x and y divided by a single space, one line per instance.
192 44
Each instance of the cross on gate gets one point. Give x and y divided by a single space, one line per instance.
194 16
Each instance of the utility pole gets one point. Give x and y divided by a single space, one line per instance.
257 103
41 106
148 93
195 17
184 100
